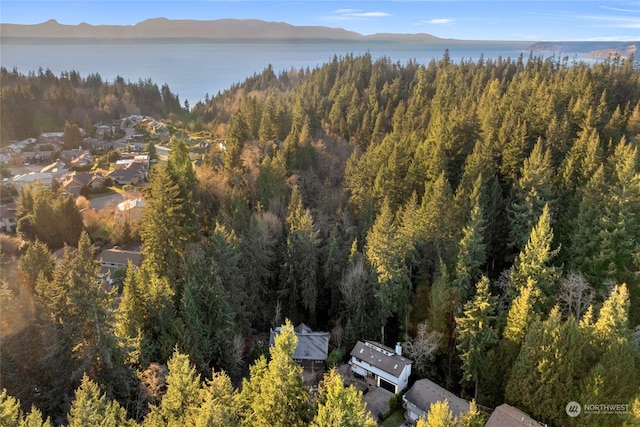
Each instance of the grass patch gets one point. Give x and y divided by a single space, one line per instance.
108 192
395 419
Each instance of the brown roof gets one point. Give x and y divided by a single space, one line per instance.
509 416
372 353
425 392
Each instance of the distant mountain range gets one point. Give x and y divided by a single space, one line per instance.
253 29
222 29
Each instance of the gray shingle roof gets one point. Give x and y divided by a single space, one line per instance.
509 416
425 392
392 364
311 345
117 256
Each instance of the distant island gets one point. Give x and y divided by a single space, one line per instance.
254 29
595 49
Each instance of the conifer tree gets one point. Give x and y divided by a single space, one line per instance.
35 419
613 321
79 315
219 405
521 314
167 225
443 301
340 406
386 254
435 229
476 334
533 191
208 318
552 358
534 262
90 407
586 226
182 397
10 413
473 418
301 262
439 415
37 260
274 383
146 317
471 250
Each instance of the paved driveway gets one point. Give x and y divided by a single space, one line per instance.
377 400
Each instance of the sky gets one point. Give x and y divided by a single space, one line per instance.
539 20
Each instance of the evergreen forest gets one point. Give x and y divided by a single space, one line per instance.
485 214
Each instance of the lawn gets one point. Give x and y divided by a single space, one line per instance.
395 420
109 192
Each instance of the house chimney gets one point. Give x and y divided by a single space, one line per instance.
398 349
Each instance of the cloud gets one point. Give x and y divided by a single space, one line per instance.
439 21
616 9
370 14
349 14
613 21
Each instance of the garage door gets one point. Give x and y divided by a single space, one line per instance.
387 386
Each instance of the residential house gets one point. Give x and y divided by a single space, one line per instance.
424 393
5 158
68 155
8 218
130 210
105 131
57 169
84 159
51 137
385 366
131 175
509 416
122 164
117 259
74 182
58 255
312 348
20 181
33 157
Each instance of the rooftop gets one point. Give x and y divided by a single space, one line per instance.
311 345
381 357
425 392
508 416
118 256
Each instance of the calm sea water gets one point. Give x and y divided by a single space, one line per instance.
195 68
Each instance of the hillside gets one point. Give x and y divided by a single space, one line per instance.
222 29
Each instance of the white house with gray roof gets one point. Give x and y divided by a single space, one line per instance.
387 367
312 346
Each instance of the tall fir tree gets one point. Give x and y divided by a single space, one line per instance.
534 261
386 255
476 333
276 382
340 406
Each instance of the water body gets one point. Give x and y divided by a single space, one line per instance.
193 68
